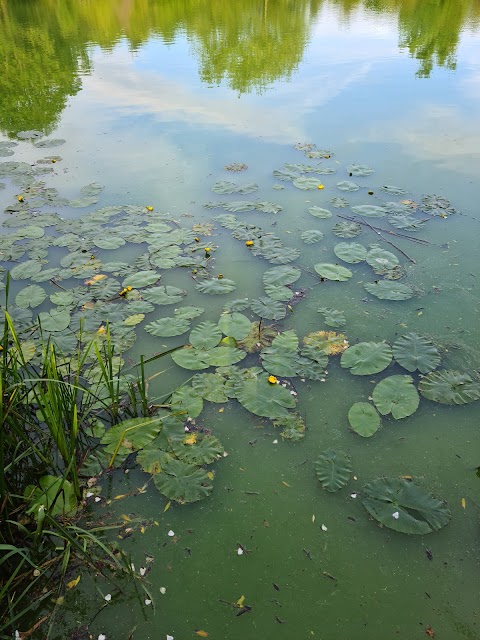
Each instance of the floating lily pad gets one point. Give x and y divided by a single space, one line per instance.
347 229
225 355
278 292
404 506
168 327
364 419
306 184
183 482
237 305
234 325
293 426
224 186
92 189
333 469
311 236
141 279
367 358
239 205
55 320
437 205
388 290
396 395
262 398
210 386
188 313
333 317
109 242
413 352
152 460
54 493
285 175
381 259
49 143
318 212
369 211
81 203
360 170
25 270
268 207
32 296
346 185
350 252
164 295
131 435
185 399
406 222
449 387
191 358
339 203
332 271
268 308
205 450
393 190
214 286
31 134
324 343
205 335
281 275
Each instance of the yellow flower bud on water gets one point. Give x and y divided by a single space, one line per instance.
272 380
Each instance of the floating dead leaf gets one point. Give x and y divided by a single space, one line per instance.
464 503
73 583
167 506
201 633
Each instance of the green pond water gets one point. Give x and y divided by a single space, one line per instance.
152 101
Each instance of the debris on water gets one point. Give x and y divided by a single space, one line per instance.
329 575
236 166
275 586
280 620
429 554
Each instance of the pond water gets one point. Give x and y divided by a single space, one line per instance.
153 101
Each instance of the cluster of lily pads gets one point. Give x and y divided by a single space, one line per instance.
83 297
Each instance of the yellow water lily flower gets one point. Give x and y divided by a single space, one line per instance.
320 186
207 252
197 239
20 198
249 243
149 208
101 330
272 380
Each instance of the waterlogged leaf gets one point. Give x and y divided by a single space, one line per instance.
293 426
350 252
268 207
339 203
306 184
26 270
413 352
259 336
109 242
262 398
153 460
311 236
367 358
225 355
332 271
347 229
346 185
404 506
281 275
381 259
406 222
392 190
237 206
268 308
185 399
210 386
81 203
280 361
278 292
280 255
360 170
30 134
205 335
318 212
168 327
333 469
31 232
364 419
92 189
205 450
141 279
191 358
234 325
237 305
164 295
55 320
324 343
389 290
449 387
286 175
183 482
32 296
396 395
54 494
224 186
369 211
333 317
214 286
48 143
437 205
188 313
134 319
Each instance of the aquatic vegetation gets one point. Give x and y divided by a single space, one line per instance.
449 387
367 358
326 342
364 419
414 352
396 395
319 212
333 317
333 469
332 272
350 252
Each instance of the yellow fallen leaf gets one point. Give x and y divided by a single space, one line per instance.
240 601
125 518
464 503
156 523
167 506
142 529
313 518
221 410
286 483
73 583
121 496
201 633
191 439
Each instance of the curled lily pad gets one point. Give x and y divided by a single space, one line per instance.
347 229
350 252
32 296
205 335
333 469
311 236
449 387
268 308
168 327
234 325
413 352
306 184
404 506
318 212
262 398
332 271
396 395
285 175
364 419
381 259
333 317
389 290
369 211
360 170
215 286
183 482
346 185
367 358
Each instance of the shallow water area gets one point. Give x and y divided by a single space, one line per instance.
153 101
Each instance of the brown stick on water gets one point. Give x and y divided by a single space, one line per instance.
392 233
383 238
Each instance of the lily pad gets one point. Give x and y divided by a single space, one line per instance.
306 184
367 358
237 206
210 386
347 229
324 343
360 170
25 270
109 242
168 327
268 207
225 355
389 290
381 259
350 252
224 186
396 395
449 387
332 271
333 317
293 426
369 211
281 275
346 185
55 320
54 494
262 398
141 279
205 450
285 175
164 295
413 352
49 143
364 419
131 435
32 296
31 134
339 203
333 469
312 236
214 286
234 325
185 399
404 506
318 212
268 308
393 190
191 358
205 335
183 482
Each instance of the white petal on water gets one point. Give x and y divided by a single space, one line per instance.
147 602
142 571
324 528
275 442
396 515
353 495
108 597
171 533
240 551
163 590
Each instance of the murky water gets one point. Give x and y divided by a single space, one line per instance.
154 99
